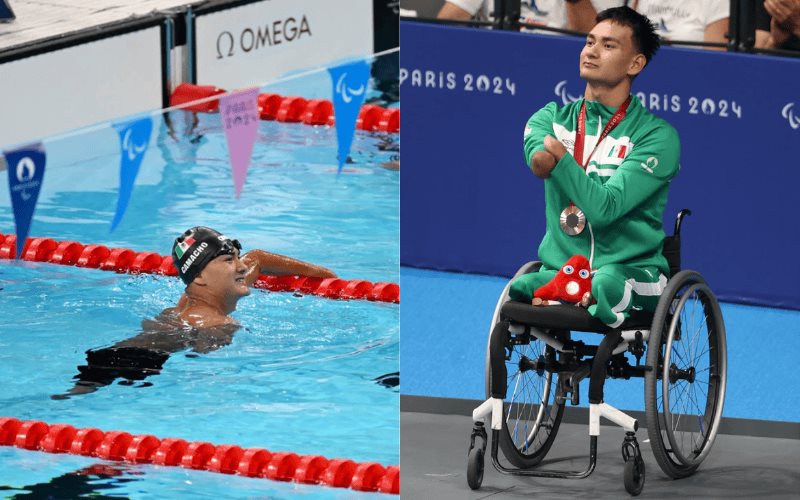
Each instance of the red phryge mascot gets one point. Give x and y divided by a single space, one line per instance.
572 283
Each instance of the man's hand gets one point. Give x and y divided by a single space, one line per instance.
786 12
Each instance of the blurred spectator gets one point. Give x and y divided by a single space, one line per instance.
688 20
576 15
778 24
386 68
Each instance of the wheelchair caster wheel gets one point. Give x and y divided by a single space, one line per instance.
634 475
475 468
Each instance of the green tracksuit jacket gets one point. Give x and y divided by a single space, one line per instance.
623 191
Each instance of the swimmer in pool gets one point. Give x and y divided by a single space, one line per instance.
216 277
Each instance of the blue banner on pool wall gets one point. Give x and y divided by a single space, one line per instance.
469 202
25 173
134 138
349 89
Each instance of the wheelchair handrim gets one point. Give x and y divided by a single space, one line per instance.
715 388
543 409
530 453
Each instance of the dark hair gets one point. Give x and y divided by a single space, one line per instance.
644 31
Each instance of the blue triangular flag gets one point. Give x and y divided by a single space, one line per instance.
349 88
25 173
134 137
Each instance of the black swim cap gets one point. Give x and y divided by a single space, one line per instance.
198 246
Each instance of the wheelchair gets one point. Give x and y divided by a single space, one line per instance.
534 367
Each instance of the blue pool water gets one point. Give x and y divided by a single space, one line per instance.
298 376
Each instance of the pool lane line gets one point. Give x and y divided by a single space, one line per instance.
200 455
287 109
125 260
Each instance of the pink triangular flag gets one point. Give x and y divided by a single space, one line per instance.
239 111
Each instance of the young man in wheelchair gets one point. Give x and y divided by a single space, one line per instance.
607 164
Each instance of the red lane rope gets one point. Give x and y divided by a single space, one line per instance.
125 260
289 109
225 459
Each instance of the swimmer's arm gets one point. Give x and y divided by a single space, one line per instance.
213 338
539 126
261 262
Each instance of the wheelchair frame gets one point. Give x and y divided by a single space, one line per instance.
515 324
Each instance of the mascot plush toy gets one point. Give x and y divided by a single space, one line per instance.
572 283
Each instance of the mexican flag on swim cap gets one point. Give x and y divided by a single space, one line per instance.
182 246
195 248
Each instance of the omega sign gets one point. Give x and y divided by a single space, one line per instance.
270 34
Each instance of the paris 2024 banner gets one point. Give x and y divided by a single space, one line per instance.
470 203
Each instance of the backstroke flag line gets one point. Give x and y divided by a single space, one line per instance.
239 112
25 168
349 89
134 138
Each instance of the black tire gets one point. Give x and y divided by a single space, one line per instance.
475 467
528 267
531 412
634 475
685 390
522 409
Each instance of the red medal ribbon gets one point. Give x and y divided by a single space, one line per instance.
580 133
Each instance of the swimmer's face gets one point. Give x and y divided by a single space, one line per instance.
225 276
610 55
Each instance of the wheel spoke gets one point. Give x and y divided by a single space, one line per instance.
530 420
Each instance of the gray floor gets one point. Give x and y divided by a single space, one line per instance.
434 458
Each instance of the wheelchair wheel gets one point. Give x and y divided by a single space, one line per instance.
685 390
475 468
634 475
531 411
526 268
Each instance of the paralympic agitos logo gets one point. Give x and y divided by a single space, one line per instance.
790 115
561 91
270 34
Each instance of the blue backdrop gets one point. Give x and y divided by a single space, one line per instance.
470 204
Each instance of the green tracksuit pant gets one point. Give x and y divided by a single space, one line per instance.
617 288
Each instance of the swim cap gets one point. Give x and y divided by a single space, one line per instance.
198 246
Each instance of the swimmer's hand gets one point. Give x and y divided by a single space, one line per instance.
261 262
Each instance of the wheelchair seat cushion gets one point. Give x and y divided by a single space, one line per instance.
569 317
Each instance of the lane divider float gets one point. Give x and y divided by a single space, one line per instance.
125 260
288 109
225 459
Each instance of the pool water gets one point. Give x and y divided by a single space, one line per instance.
299 375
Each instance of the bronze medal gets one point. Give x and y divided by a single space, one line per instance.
572 220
